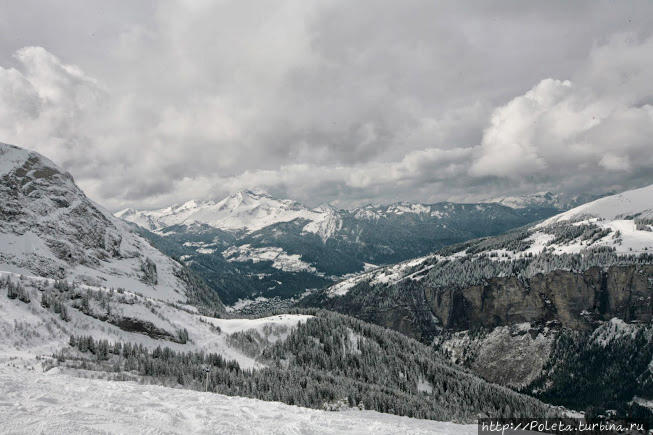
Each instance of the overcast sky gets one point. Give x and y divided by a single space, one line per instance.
348 102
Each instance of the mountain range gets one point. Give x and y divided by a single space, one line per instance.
270 247
555 312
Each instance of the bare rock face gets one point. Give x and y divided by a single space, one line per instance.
148 267
505 330
574 300
508 355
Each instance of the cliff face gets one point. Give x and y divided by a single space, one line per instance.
575 300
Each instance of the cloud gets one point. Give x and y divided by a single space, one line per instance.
47 104
149 104
574 131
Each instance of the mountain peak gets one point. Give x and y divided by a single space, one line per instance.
34 164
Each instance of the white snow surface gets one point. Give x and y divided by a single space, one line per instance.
57 403
30 329
632 202
326 225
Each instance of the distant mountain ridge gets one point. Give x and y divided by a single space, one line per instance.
251 245
560 201
249 211
245 210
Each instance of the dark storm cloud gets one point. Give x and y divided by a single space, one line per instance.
148 103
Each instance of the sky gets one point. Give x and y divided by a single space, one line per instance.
149 103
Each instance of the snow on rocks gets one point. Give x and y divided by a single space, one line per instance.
382 275
48 227
30 328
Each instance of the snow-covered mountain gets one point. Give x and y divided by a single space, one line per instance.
637 203
245 211
49 228
622 223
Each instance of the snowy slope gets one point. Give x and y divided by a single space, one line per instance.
637 203
30 329
52 402
229 326
280 259
244 210
49 228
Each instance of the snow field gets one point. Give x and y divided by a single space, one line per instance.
32 402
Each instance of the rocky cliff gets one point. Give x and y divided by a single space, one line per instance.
574 300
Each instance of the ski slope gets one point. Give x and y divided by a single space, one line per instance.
56 403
